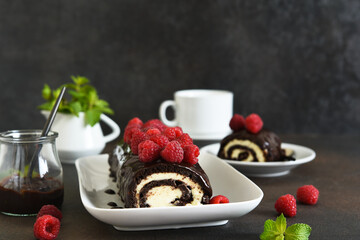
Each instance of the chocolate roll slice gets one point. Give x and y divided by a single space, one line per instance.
160 183
264 146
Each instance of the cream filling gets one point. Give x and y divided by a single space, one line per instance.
246 143
162 196
165 191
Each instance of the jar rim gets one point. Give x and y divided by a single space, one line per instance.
27 136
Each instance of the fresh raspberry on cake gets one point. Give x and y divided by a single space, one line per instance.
219 199
148 151
307 194
129 131
152 131
46 227
286 204
191 152
173 132
253 123
184 139
160 140
154 123
135 121
50 210
136 139
173 152
237 122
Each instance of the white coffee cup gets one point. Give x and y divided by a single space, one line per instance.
202 113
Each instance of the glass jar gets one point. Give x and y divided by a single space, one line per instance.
31 174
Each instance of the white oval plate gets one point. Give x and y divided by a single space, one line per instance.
267 169
244 196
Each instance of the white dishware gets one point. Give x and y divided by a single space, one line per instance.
93 173
267 169
78 139
202 113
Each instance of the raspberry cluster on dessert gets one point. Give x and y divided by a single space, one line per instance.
158 166
250 142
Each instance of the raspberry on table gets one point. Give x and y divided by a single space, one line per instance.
253 123
46 227
136 139
148 151
160 140
50 210
173 152
172 132
286 204
237 122
219 199
184 139
191 152
307 194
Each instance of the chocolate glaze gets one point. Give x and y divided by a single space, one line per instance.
19 195
133 171
268 141
115 157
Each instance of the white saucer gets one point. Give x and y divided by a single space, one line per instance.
244 196
267 169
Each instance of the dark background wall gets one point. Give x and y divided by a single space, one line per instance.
296 63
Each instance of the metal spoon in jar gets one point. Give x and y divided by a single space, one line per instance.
46 128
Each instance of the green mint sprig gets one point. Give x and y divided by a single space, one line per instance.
83 98
276 230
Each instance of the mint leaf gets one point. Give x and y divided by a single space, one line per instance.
75 108
281 223
46 92
92 117
76 94
271 230
46 106
79 80
298 231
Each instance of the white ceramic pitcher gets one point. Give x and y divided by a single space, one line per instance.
77 139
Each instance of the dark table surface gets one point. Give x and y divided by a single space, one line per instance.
335 172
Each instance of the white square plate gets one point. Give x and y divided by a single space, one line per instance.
93 173
267 169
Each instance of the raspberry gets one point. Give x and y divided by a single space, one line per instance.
173 152
253 123
237 122
50 210
173 132
135 121
160 140
129 131
184 139
137 138
46 227
219 199
307 194
191 152
286 204
152 131
148 151
154 123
